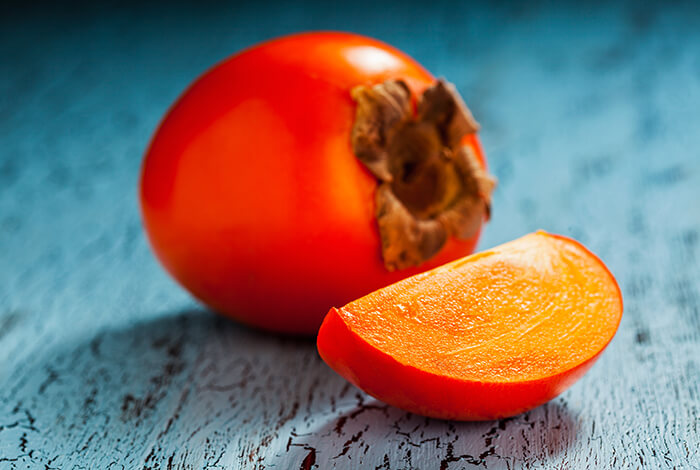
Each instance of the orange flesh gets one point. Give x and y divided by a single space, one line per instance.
536 311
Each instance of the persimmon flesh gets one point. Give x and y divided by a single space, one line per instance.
484 337
252 196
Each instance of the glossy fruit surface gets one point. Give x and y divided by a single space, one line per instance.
485 337
251 195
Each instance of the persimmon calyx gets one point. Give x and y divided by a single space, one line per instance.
430 185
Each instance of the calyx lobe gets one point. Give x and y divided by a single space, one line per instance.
431 186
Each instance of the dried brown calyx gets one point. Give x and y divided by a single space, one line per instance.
431 186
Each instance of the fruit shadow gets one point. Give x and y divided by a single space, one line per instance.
182 389
375 435
193 389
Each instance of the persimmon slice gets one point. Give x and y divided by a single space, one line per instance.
484 337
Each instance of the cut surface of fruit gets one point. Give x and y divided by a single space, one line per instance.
487 336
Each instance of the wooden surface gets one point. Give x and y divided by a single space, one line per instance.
591 121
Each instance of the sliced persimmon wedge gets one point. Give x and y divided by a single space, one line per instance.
484 337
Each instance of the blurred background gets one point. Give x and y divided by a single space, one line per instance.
590 115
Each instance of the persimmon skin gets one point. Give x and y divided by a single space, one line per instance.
358 355
251 195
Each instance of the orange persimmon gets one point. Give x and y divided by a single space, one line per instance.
488 336
255 200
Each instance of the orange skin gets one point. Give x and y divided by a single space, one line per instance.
485 337
251 195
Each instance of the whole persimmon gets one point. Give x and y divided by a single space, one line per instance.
308 171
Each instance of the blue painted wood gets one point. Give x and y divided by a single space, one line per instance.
590 119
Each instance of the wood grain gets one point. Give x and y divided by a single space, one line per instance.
590 119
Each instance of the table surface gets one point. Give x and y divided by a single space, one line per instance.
591 121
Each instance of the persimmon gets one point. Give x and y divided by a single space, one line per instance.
308 171
488 336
